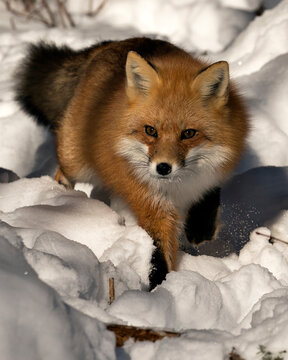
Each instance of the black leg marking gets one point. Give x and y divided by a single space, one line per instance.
201 222
159 268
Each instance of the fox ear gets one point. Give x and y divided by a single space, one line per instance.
213 82
140 75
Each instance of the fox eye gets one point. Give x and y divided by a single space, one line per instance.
188 134
151 131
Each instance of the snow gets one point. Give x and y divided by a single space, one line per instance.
59 248
26 300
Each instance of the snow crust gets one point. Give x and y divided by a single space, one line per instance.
59 248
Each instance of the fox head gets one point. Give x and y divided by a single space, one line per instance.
183 119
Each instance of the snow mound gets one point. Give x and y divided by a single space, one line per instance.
26 300
58 248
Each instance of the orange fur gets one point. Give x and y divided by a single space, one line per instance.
128 85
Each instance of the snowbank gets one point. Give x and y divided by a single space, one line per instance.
58 248
34 318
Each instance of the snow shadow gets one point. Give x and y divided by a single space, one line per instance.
45 161
248 201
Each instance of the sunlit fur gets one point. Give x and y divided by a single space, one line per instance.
111 92
200 170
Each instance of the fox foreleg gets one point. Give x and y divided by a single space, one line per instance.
158 218
162 224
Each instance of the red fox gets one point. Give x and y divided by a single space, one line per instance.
143 119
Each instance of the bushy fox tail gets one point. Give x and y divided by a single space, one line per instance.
47 78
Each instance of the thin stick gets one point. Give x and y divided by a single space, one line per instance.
111 290
97 10
50 13
63 12
41 11
272 239
124 332
34 14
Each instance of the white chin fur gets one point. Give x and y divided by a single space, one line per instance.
202 171
184 185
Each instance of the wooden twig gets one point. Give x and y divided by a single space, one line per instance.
12 10
234 356
49 12
68 16
28 4
33 13
124 332
111 290
271 238
41 11
97 10
63 12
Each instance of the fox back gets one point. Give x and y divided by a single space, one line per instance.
145 120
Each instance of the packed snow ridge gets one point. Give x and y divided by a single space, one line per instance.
58 248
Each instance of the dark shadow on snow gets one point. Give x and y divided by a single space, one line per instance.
248 201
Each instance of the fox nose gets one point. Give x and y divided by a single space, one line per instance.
164 168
